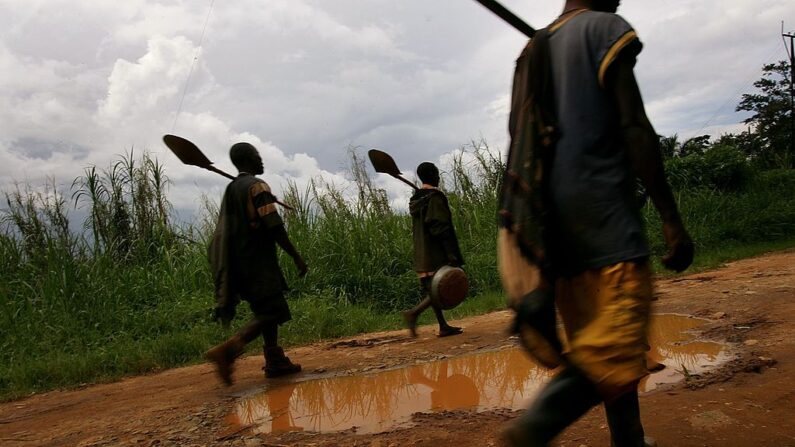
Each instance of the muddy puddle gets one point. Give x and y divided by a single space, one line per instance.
502 379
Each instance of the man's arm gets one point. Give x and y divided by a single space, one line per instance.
263 204
279 234
643 151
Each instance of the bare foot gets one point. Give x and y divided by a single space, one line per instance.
411 322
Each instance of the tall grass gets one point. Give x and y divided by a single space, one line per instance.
763 212
132 293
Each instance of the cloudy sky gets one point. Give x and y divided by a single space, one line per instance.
84 80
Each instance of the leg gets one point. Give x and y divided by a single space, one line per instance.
253 329
271 310
623 418
567 397
271 335
445 330
224 355
410 316
276 363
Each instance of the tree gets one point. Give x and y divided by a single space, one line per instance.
772 110
671 147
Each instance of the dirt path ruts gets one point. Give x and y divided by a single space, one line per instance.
749 402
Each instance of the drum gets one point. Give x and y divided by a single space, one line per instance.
449 287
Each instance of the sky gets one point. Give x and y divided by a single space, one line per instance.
82 81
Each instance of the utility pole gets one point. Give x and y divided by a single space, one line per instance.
791 54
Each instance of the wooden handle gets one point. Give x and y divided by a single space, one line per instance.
231 177
218 171
402 179
512 19
284 205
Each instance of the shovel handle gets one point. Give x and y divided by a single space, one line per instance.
402 179
231 177
505 14
218 171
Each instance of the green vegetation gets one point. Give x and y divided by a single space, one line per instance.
132 293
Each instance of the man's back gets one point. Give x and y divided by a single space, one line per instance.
591 183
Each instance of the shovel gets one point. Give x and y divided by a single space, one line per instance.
383 163
190 154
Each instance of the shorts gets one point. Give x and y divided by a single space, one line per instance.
270 308
606 314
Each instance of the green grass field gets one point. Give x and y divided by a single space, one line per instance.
132 294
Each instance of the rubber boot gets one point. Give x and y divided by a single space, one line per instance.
224 356
623 418
277 364
567 397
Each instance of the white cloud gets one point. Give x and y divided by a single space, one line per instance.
150 84
83 80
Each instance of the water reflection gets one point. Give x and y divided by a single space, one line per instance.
503 379
672 344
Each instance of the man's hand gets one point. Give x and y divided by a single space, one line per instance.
680 247
280 236
300 265
224 315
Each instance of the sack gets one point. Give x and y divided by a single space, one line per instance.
522 202
523 206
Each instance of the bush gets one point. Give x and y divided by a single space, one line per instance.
720 168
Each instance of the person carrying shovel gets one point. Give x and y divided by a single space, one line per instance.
244 263
577 103
435 244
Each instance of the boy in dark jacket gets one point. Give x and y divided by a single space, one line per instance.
435 244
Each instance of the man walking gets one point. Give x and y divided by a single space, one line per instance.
594 242
245 265
435 244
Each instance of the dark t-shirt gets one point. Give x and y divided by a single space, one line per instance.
594 212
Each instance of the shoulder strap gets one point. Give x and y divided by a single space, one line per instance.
541 76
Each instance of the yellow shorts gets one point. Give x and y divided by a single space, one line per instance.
605 314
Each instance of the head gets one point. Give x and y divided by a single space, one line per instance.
428 173
246 158
596 5
605 5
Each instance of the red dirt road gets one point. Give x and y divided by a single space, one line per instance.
750 401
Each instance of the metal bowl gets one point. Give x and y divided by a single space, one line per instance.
449 287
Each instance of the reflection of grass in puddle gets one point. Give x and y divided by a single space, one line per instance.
671 340
474 382
353 397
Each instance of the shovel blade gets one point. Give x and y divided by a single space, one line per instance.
383 163
186 151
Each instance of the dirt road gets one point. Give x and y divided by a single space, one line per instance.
749 401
